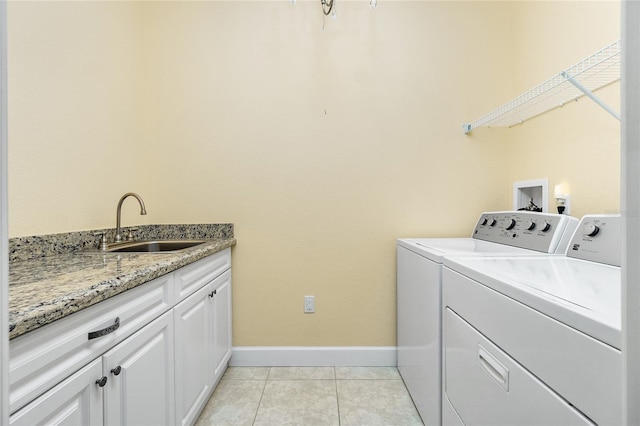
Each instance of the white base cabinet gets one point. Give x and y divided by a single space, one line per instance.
221 313
140 377
148 370
131 384
203 346
193 365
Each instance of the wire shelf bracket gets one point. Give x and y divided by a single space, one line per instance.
582 79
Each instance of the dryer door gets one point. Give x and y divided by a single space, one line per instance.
486 386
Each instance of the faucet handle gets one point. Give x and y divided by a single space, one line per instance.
130 236
103 240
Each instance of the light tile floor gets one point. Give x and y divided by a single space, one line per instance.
275 396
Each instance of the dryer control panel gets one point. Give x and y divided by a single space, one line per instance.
545 232
598 239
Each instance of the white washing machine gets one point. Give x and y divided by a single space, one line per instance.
536 340
419 283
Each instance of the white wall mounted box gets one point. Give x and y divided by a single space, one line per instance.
526 190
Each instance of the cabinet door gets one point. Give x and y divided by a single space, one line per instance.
140 389
221 324
75 401
193 354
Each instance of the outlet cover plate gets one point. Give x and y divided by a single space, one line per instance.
309 304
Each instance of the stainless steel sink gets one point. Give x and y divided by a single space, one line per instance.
159 246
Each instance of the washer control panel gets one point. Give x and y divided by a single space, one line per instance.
545 232
598 239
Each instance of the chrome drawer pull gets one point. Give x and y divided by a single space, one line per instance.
105 331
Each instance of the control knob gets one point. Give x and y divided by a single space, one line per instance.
484 221
590 230
493 222
531 225
511 223
545 226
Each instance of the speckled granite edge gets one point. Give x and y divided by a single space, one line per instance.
48 289
32 247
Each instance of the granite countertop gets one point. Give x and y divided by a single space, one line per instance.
45 289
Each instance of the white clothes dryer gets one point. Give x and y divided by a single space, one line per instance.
536 340
419 287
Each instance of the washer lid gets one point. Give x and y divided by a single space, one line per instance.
581 294
436 248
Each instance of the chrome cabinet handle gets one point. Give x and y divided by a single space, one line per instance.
105 331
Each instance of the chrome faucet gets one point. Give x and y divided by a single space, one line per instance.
143 211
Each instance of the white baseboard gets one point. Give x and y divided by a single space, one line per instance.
313 356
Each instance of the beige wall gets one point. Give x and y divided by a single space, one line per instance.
75 108
237 101
577 145
215 112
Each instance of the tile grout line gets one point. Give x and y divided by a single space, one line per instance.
335 376
261 396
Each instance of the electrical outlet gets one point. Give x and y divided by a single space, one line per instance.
309 304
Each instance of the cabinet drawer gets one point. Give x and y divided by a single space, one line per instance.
44 357
192 277
486 386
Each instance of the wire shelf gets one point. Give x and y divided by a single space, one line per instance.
597 71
